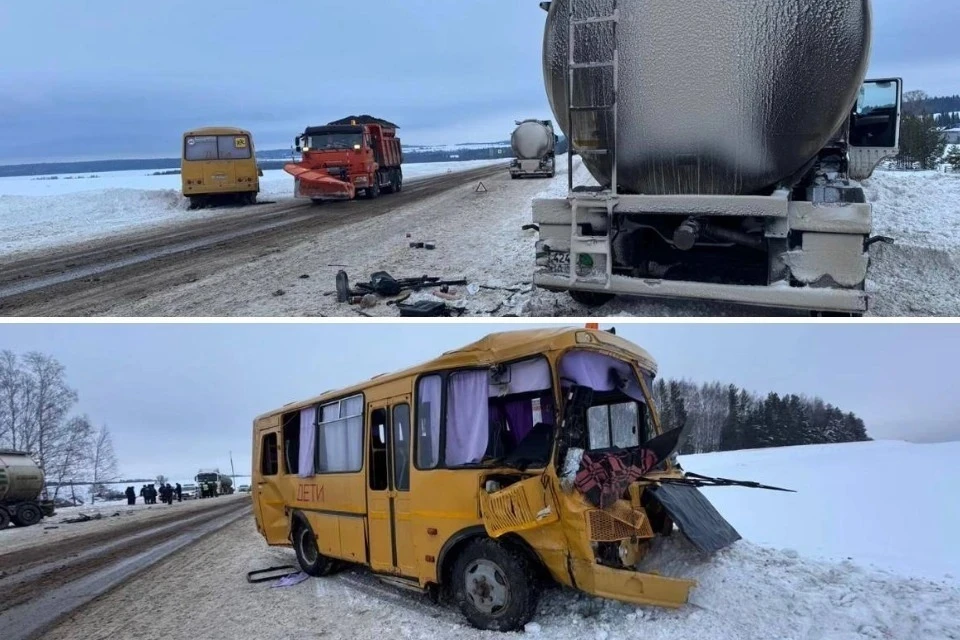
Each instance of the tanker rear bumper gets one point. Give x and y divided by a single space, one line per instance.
780 295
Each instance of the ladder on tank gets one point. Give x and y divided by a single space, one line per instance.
581 244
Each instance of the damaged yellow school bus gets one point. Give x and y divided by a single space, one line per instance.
526 455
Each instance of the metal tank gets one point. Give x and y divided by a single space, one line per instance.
21 480
532 140
714 97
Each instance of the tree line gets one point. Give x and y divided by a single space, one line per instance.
37 416
719 417
922 143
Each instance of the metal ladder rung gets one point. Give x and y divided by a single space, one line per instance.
591 65
592 107
613 17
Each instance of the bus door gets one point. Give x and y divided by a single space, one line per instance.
388 488
269 500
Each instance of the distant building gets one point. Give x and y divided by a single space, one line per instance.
951 136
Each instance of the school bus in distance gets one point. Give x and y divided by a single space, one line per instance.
474 476
219 165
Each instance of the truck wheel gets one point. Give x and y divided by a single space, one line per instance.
392 187
27 514
309 557
492 586
4 518
591 298
374 191
399 187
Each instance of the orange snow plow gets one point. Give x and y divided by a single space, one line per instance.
319 184
344 157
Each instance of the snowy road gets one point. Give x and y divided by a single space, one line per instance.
478 237
91 278
42 583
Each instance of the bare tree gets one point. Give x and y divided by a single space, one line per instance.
51 402
71 454
103 461
162 479
14 401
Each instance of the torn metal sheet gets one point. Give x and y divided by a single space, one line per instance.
698 520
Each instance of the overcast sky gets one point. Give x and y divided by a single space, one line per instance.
115 78
181 397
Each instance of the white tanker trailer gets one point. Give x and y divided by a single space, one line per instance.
727 139
21 484
534 147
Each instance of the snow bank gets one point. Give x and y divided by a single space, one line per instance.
39 213
920 208
885 504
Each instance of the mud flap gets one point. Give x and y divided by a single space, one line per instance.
697 519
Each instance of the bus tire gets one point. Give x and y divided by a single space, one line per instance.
492 586
27 514
312 562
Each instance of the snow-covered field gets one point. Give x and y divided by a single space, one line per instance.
861 551
38 213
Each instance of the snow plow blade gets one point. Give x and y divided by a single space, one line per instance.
697 519
319 185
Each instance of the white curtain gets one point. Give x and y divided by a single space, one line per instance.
308 441
525 376
428 422
340 440
468 416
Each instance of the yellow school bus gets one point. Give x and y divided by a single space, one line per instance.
218 164
485 472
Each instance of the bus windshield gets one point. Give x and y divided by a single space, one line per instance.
332 141
227 147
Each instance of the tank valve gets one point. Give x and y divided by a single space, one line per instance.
685 237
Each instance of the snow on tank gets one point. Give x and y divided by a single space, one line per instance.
532 140
20 477
714 97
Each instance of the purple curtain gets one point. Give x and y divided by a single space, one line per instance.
520 415
308 441
591 369
467 417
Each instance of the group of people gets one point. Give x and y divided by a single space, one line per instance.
149 493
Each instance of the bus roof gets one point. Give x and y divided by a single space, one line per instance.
216 131
496 347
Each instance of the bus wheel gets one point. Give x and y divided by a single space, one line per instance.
27 514
194 202
492 586
311 560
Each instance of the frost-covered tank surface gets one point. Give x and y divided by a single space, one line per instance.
532 140
716 97
20 477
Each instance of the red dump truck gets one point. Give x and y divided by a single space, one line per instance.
359 153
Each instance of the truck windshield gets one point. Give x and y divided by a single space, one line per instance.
207 477
329 141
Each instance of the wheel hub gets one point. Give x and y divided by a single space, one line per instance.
486 586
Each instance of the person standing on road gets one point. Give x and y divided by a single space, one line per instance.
169 489
131 496
179 493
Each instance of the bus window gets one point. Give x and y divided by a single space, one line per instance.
428 421
291 443
340 436
233 147
268 455
401 447
378 450
614 425
200 148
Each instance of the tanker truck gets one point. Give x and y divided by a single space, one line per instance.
21 484
726 140
211 483
534 144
